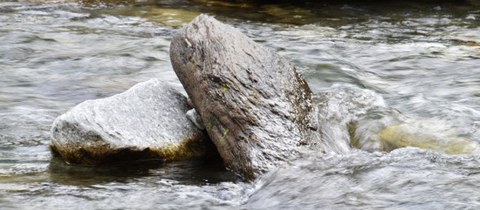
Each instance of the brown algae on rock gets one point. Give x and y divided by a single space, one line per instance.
189 149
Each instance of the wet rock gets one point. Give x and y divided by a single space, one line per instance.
252 102
147 121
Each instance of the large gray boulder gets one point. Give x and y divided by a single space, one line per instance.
253 103
147 121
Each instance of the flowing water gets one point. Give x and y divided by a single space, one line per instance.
420 62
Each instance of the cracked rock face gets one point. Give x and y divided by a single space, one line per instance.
147 121
253 103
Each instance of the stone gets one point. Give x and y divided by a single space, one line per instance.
193 116
148 121
253 103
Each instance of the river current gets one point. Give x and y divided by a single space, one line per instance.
420 60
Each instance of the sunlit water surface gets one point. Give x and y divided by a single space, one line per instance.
422 59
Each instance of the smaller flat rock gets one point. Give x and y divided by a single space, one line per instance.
147 121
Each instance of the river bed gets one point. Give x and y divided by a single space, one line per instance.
422 59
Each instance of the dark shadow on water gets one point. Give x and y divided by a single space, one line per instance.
194 172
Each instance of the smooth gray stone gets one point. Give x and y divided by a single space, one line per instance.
193 116
147 121
253 102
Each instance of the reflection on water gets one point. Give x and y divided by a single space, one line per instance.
31 179
422 58
184 172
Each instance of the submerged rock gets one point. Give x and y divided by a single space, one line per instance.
334 111
252 102
147 121
430 134
386 129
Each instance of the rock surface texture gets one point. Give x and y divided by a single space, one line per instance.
147 121
253 103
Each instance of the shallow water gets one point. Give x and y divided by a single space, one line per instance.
423 59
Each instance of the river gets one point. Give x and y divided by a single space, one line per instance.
421 58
